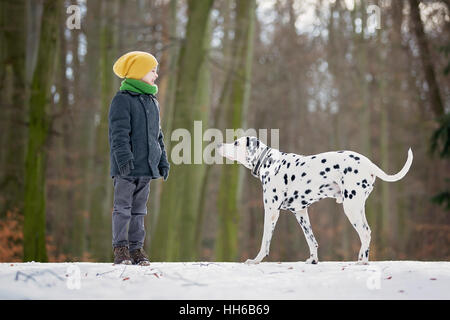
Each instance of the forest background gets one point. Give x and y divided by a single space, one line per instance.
369 76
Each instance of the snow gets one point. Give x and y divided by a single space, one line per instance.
237 281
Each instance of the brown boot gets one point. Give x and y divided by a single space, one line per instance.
121 255
139 257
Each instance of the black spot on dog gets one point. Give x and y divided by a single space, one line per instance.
349 169
356 158
308 181
313 157
285 178
346 193
293 177
336 166
288 165
324 160
304 202
327 169
307 191
355 171
274 190
322 173
276 198
303 174
354 192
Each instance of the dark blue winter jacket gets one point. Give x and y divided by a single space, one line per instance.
135 136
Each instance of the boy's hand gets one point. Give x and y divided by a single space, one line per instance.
164 171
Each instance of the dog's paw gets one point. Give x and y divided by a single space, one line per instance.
251 261
362 263
311 261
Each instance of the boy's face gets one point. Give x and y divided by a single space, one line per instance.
151 77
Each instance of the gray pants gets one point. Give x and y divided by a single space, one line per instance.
129 210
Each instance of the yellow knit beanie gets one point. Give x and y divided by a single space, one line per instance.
134 65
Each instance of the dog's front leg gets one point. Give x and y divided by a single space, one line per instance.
270 220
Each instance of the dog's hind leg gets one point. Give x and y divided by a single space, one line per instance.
270 220
355 212
303 220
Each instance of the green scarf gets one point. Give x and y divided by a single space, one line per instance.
138 86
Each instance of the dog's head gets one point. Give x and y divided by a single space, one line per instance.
245 150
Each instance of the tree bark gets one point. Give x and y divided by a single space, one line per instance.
101 200
427 60
90 102
35 163
234 112
13 124
174 233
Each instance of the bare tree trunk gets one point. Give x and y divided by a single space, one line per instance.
90 106
226 243
100 201
174 232
35 164
427 61
167 106
215 123
13 126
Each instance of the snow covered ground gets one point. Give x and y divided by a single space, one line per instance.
210 280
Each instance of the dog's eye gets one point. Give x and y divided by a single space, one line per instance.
236 143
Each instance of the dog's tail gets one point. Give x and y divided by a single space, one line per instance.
394 177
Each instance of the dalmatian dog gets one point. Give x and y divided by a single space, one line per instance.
293 182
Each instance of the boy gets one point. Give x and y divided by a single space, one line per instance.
137 153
